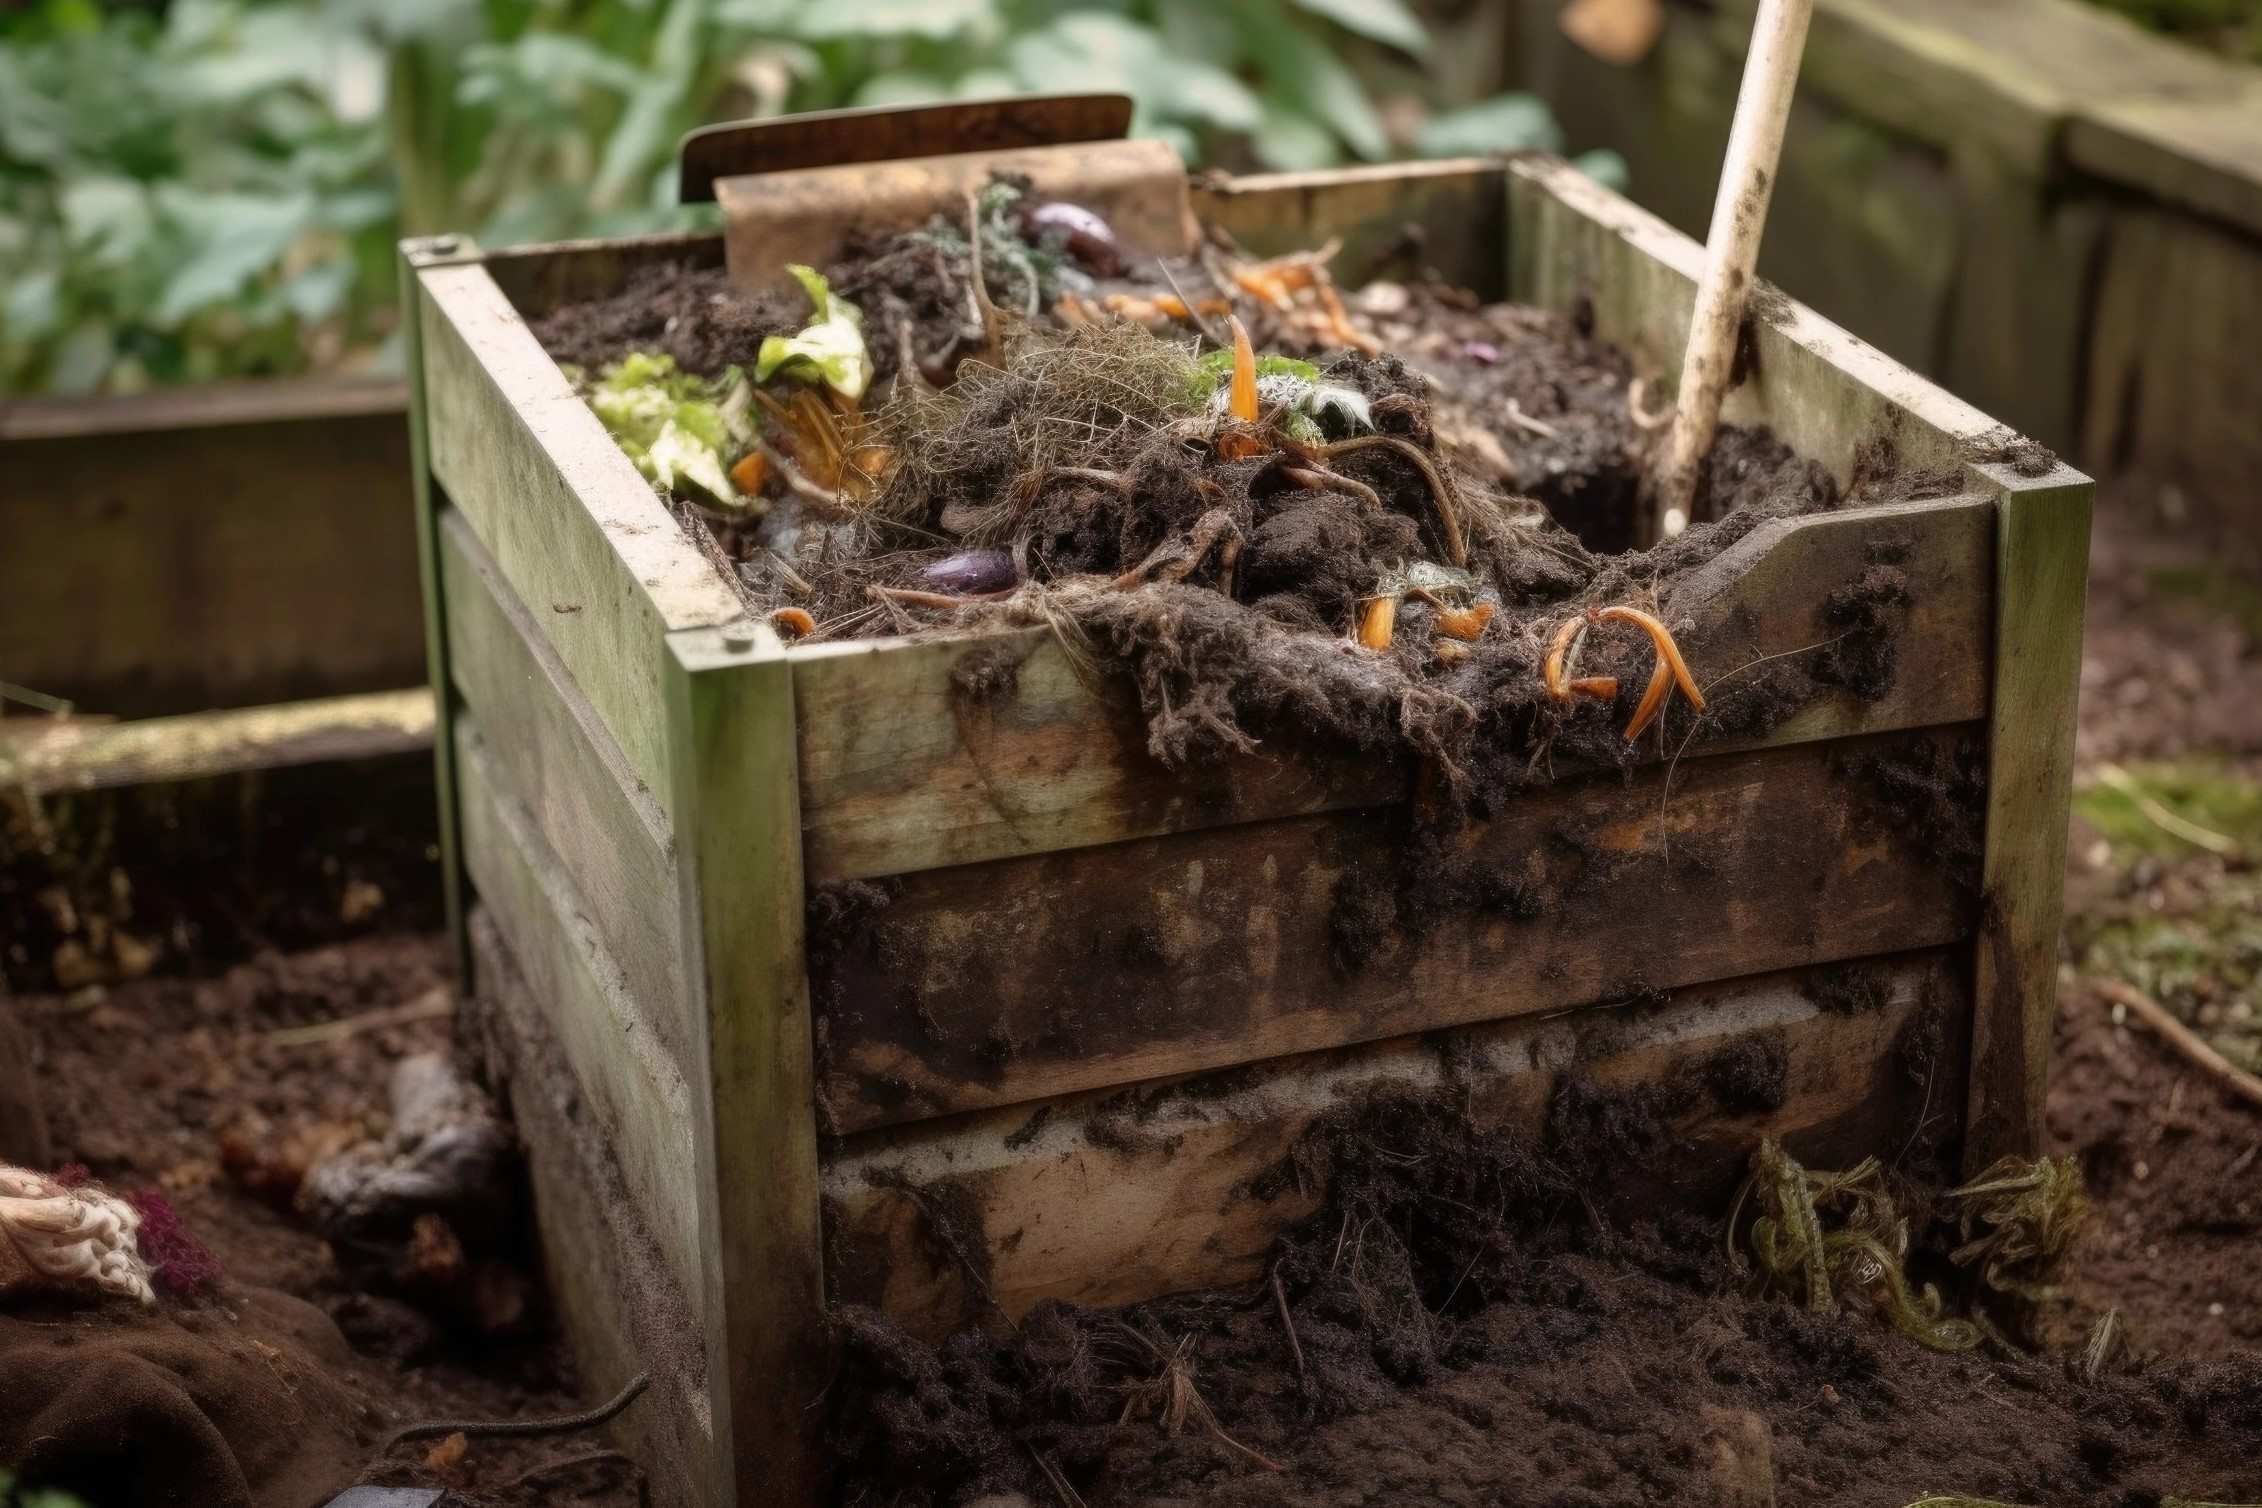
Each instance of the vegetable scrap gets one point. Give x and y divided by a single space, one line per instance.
829 349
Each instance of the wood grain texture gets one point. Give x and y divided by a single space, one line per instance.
1825 393
1394 220
414 260
55 757
2043 566
2005 75
731 741
579 535
187 551
2173 383
631 1090
1047 763
557 758
1111 1198
615 1294
1028 978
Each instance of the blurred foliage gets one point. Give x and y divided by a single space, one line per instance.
2229 26
211 188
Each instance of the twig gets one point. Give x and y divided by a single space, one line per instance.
1295 1347
1068 1495
993 339
569 1463
562 1424
1193 310
11 692
429 1006
2113 777
1524 421
2152 1013
1739 216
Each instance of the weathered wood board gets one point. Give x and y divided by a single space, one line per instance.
206 548
575 531
1028 978
1047 761
1110 1198
633 1090
615 1290
555 755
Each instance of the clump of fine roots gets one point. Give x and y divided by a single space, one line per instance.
1231 567
1819 1236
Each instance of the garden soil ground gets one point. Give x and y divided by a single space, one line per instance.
1593 1367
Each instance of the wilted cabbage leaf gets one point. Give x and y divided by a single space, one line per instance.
829 349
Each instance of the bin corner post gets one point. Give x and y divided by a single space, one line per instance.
734 765
415 257
2041 576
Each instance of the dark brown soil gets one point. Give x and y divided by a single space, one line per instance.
277 1386
689 313
195 875
1471 1327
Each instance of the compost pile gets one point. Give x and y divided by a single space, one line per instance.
1287 514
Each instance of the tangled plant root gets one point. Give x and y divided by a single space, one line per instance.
1822 1234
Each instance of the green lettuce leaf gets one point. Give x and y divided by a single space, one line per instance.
829 349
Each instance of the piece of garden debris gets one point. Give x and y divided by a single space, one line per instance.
69 1239
433 1210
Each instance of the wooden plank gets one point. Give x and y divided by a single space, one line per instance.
1047 763
632 1091
581 538
558 760
1112 1198
2198 149
1825 393
619 1303
2005 75
2042 575
55 756
1028 978
730 731
415 258
176 554
539 278
171 411
2173 385
1395 219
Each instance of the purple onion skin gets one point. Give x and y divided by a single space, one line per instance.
970 572
1083 235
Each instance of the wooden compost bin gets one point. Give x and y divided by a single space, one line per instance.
647 791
